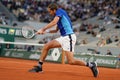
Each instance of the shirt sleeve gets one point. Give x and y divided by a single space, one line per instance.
58 13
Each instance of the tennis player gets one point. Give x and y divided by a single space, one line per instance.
66 41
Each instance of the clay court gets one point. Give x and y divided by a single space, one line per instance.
17 69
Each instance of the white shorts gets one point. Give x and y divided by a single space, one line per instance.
67 42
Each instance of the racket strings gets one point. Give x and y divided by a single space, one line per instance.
28 32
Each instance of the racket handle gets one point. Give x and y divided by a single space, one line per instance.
35 33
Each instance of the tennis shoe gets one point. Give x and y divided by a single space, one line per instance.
94 69
36 69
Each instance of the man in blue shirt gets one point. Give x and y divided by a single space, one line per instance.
66 41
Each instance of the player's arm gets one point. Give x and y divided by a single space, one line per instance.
50 25
54 31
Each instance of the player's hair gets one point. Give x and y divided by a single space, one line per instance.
53 6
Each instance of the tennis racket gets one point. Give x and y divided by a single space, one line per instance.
28 32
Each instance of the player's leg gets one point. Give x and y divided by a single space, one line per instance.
47 46
73 61
68 47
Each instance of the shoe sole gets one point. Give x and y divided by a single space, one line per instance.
35 71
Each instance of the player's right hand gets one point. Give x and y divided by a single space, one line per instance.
40 31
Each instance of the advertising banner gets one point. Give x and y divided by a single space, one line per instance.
55 56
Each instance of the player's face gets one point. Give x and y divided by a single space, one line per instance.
52 12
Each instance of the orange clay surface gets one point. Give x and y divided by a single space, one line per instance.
17 69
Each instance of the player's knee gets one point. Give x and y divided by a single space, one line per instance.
46 47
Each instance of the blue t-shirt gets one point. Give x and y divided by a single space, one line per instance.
64 23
